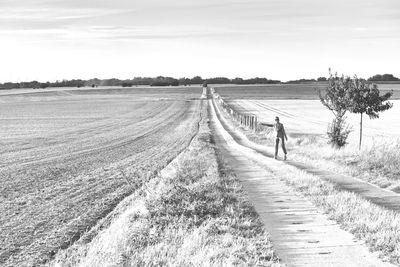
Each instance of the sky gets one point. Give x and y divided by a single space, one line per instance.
50 40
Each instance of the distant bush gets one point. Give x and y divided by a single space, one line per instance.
164 83
127 84
302 81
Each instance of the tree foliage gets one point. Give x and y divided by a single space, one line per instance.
336 99
365 98
336 95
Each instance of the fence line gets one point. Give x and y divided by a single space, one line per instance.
248 120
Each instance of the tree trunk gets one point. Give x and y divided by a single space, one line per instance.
361 121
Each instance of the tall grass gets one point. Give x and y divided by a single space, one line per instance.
376 162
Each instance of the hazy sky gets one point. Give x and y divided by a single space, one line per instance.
279 39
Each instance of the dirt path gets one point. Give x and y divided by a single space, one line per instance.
300 234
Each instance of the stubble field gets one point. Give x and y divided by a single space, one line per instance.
67 157
305 91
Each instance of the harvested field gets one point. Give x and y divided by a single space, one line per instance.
285 91
67 158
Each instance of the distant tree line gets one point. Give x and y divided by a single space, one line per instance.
36 84
320 79
375 78
138 81
169 81
383 78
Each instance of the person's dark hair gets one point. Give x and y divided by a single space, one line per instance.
276 118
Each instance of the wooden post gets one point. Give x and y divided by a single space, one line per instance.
361 121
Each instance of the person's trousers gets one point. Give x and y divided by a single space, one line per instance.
277 146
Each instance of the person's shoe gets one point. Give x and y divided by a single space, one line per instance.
276 157
284 158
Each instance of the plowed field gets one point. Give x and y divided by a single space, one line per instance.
68 157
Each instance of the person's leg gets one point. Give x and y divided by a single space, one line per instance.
276 147
284 147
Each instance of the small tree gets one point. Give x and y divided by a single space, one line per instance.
335 98
365 98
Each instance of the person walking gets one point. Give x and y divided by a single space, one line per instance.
280 136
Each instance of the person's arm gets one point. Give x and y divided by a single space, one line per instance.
284 132
266 124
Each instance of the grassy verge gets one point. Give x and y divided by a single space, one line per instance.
193 214
377 162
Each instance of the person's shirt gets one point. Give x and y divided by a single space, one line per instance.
279 129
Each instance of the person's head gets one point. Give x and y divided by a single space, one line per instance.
277 119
